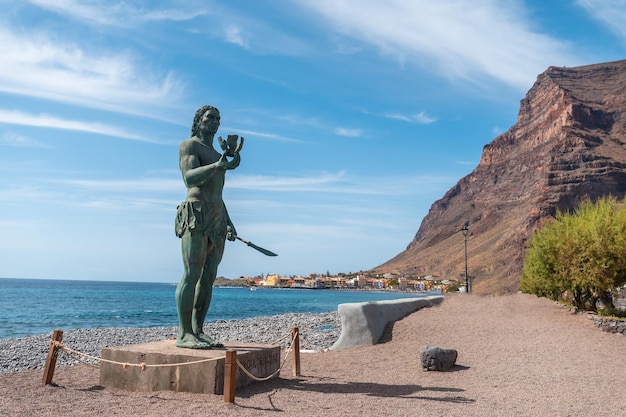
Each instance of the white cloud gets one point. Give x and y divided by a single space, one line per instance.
38 65
12 139
348 132
609 12
266 135
455 38
119 13
233 35
254 33
125 186
321 182
419 118
156 193
342 183
47 121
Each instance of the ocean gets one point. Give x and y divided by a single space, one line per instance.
38 306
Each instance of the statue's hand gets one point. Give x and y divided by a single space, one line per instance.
231 233
222 143
239 145
223 162
234 163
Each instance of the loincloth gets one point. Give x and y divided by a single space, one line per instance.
207 218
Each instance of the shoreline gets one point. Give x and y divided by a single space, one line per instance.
71 306
518 355
318 332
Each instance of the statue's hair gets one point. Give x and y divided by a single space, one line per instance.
195 127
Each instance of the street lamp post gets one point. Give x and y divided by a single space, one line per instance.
465 230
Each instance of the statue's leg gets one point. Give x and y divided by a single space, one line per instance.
194 249
204 291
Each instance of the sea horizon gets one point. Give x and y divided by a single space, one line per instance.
31 306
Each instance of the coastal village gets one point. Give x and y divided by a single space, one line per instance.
360 281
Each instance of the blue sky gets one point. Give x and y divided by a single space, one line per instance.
357 116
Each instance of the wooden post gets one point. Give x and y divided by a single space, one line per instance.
295 336
230 376
51 362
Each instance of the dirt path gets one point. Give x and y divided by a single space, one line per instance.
518 356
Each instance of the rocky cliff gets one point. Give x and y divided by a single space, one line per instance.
569 142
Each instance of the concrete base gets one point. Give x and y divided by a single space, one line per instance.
204 377
363 324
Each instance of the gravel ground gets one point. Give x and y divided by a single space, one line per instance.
518 356
317 332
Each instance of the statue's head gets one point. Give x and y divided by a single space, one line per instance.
195 127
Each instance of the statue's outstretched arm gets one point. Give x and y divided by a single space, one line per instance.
195 174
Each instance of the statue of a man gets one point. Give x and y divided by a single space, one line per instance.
202 223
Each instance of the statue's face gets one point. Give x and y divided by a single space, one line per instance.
210 121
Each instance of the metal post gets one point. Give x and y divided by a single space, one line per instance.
465 230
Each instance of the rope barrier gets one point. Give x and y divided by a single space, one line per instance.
256 378
281 339
76 355
230 367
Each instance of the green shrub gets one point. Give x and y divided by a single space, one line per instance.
579 258
611 312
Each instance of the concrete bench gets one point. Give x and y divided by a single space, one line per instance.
363 324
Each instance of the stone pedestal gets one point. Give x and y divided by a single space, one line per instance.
206 377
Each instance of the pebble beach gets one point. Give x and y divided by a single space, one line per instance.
518 355
317 332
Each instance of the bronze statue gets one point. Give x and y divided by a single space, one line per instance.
202 222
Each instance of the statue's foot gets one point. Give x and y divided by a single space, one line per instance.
191 341
206 339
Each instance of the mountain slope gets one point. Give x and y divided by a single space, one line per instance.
569 142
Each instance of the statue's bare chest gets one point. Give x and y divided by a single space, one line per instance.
205 154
